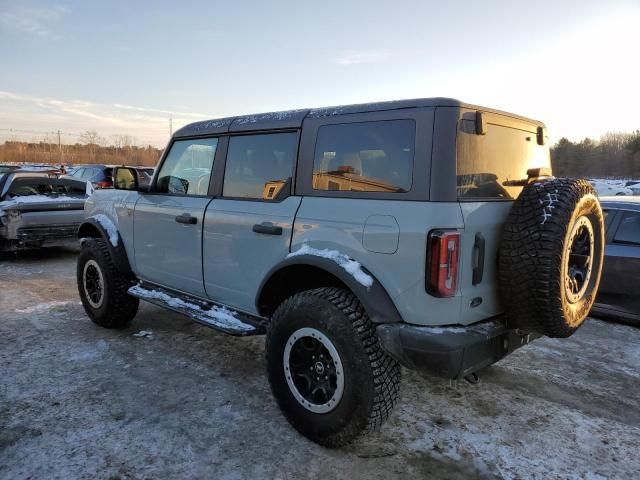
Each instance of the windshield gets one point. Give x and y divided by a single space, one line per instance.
24 187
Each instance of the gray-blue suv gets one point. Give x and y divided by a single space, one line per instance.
426 233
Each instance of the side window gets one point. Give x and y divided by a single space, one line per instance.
260 166
365 157
187 168
78 173
628 229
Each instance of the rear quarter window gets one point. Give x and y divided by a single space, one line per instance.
486 162
365 157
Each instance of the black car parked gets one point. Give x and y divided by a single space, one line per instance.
619 293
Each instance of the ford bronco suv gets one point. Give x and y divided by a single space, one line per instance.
426 233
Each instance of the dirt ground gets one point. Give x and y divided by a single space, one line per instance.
79 401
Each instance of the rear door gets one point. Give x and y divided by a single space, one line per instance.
485 162
248 229
168 220
620 282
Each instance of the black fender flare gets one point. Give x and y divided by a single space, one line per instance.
375 299
118 252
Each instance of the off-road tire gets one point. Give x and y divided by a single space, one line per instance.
535 252
118 308
371 377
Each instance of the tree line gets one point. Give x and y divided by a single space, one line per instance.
91 148
614 155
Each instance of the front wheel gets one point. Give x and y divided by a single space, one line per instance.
327 370
102 288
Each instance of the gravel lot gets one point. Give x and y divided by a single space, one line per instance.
79 401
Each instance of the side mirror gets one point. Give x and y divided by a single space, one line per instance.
125 178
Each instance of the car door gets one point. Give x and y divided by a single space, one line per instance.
168 220
248 229
620 282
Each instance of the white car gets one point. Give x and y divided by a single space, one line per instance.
634 187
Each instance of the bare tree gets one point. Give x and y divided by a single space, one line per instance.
93 140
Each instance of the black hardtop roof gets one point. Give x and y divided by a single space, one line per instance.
294 118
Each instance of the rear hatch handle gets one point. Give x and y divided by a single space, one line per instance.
478 259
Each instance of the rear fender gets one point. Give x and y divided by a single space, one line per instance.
374 298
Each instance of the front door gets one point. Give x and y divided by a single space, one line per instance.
169 220
248 230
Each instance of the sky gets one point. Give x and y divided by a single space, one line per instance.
127 67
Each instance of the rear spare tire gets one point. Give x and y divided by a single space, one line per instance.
550 256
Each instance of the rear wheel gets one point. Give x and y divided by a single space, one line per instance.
102 288
327 370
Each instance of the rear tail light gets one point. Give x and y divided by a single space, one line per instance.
442 263
104 184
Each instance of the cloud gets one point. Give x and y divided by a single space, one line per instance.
32 113
38 21
356 57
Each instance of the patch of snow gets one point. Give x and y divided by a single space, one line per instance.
209 124
218 316
351 266
144 334
270 116
109 226
548 204
89 189
35 199
42 307
440 330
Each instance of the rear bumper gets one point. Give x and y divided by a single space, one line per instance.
450 352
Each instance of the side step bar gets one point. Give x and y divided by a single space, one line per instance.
206 313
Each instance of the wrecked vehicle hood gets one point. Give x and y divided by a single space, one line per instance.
40 203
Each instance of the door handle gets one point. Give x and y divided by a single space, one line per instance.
267 229
186 219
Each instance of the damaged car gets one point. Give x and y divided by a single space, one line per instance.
37 209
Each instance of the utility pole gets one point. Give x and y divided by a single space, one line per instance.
60 147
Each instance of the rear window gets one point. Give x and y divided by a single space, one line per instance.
486 162
365 157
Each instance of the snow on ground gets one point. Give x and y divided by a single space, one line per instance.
351 266
80 401
42 307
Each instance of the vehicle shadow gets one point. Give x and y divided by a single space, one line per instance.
41 254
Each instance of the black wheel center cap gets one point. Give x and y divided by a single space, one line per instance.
319 368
